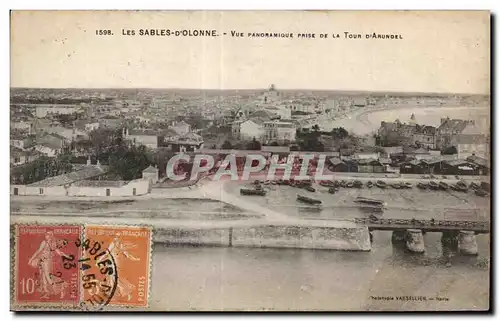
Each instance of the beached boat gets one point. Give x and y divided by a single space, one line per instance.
406 185
343 183
486 186
336 183
433 185
396 186
349 185
443 186
308 200
257 192
381 184
326 183
481 192
357 184
332 190
474 186
370 202
422 185
369 184
310 189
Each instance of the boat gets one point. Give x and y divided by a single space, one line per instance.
485 186
336 183
357 184
422 185
369 184
257 192
474 186
343 183
332 190
310 189
308 200
371 202
481 192
326 183
349 185
443 186
433 185
406 185
396 185
381 184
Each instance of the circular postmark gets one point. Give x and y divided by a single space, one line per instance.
99 274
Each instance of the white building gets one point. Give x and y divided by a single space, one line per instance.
279 131
247 130
148 138
44 110
181 127
92 126
283 112
48 149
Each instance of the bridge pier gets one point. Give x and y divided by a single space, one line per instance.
398 236
467 243
415 241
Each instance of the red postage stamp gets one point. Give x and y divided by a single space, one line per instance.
46 269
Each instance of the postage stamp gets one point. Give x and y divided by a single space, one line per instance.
46 265
116 266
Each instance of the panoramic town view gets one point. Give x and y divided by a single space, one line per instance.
405 210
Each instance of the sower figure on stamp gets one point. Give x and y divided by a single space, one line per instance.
120 251
49 283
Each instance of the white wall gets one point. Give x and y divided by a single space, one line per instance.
141 185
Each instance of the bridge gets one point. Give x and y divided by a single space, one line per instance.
386 224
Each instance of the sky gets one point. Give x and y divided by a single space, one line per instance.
445 52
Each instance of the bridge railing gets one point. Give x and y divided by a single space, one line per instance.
425 223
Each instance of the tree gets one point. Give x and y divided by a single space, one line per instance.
339 133
227 145
253 145
127 162
450 151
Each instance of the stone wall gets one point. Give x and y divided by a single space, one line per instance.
331 238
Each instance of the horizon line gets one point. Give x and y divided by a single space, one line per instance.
255 89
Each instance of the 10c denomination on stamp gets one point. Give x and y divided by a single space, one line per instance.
46 271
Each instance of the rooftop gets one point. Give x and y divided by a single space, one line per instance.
69 178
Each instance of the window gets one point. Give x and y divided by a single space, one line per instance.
40 191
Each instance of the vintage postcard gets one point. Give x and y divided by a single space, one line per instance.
250 160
